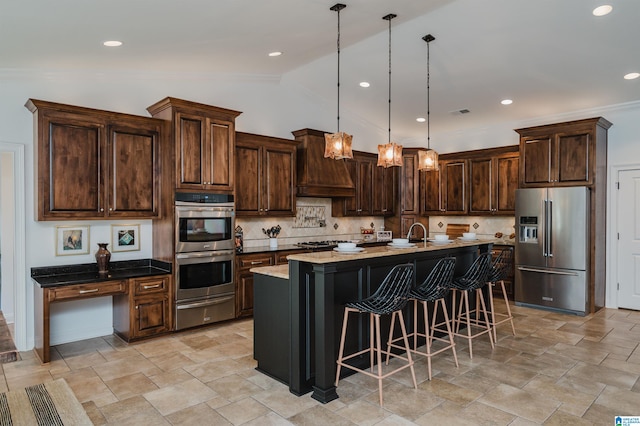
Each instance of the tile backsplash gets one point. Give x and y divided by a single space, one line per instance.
305 226
483 226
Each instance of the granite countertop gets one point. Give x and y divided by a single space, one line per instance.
373 252
277 271
288 247
53 276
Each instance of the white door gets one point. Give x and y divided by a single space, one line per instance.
628 262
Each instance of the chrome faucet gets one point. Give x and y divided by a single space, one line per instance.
423 228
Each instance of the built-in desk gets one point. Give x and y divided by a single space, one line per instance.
141 291
310 306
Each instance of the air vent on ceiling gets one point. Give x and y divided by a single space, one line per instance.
461 111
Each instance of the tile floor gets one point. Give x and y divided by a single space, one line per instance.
559 370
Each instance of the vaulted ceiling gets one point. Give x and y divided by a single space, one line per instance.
548 56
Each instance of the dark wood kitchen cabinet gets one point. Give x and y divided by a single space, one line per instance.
244 279
145 310
384 189
265 175
407 198
374 188
493 180
94 164
204 140
360 170
444 191
564 154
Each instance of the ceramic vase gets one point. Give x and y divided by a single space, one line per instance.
102 257
273 242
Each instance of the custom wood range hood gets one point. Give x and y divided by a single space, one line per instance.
318 176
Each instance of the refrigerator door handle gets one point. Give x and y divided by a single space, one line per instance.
550 228
546 271
545 233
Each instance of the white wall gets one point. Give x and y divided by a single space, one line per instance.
270 106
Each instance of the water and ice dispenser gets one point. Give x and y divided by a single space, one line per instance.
528 229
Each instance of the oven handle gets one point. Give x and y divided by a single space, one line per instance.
215 301
218 255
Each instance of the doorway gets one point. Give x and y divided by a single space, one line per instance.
627 238
13 287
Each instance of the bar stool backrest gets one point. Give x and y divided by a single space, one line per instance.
393 293
476 275
501 266
438 282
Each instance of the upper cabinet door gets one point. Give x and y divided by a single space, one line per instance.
219 153
249 184
69 154
134 169
279 192
574 155
506 174
481 177
536 159
454 190
190 150
409 184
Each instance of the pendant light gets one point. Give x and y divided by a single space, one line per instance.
338 145
389 154
428 160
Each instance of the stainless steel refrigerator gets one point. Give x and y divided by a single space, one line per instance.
552 248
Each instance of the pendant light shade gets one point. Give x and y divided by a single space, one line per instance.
338 145
389 154
428 160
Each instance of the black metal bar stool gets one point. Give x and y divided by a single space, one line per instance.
434 288
499 271
390 298
473 281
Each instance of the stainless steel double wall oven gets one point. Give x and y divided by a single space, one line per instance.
205 250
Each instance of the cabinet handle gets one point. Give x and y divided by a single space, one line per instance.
110 209
256 262
101 209
94 290
147 287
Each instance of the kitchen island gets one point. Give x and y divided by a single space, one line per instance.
298 316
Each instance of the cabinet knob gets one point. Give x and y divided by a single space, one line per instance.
110 209
101 209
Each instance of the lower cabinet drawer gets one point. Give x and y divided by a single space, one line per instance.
88 290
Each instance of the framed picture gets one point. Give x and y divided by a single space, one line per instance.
72 240
125 238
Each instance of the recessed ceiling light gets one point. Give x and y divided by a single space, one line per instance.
632 75
421 119
275 54
112 43
364 84
605 9
506 102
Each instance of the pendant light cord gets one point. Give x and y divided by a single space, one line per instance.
338 43
338 7
428 38
389 17
428 101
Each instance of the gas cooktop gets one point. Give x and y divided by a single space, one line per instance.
320 244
